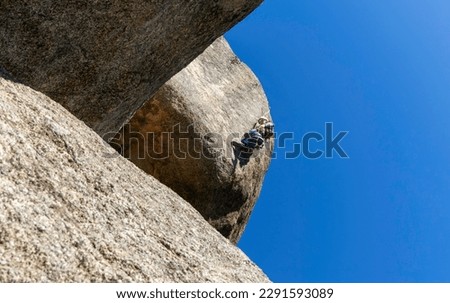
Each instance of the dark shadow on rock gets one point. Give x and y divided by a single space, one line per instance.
6 75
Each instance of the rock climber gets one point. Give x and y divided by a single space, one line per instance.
265 128
262 131
253 139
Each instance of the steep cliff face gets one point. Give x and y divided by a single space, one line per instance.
103 59
72 209
182 136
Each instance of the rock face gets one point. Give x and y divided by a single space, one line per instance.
183 135
73 210
103 59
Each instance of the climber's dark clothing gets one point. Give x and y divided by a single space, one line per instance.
253 139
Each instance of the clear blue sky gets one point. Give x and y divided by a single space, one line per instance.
380 70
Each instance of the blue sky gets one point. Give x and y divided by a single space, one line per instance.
380 70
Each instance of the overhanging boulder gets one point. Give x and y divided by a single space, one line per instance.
183 136
103 59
